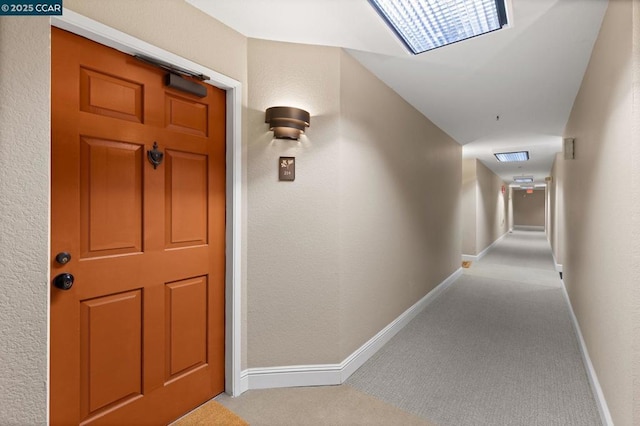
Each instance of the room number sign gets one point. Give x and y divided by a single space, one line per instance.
287 168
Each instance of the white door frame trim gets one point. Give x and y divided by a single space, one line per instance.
103 34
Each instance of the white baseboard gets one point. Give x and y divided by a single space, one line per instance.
366 351
294 376
556 264
476 257
244 382
336 374
603 409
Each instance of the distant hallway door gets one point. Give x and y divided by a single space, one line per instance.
529 208
138 226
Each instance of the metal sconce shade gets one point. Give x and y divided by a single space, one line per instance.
287 122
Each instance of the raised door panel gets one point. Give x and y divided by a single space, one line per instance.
110 96
186 115
186 326
186 196
110 197
111 352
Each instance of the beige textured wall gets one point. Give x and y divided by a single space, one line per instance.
634 233
24 218
484 207
293 236
468 210
510 191
176 26
528 209
557 224
400 188
491 208
600 275
364 231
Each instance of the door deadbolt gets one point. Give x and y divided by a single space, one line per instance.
63 257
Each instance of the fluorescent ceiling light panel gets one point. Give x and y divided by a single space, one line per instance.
512 156
428 24
526 187
522 179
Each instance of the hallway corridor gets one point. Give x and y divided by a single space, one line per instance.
497 348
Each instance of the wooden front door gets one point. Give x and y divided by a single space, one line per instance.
139 337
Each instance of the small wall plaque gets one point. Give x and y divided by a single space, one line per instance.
287 168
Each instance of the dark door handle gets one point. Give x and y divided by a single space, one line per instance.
63 281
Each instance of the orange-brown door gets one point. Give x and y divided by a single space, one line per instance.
139 337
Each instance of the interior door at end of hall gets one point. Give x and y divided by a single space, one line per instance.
138 338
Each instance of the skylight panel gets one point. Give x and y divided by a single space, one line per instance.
428 24
512 156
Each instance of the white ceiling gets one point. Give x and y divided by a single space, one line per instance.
527 74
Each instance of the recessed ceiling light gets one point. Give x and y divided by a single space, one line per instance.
512 156
428 24
523 179
526 187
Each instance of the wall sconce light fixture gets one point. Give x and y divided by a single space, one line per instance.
287 122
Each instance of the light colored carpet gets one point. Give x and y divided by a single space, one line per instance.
497 348
522 248
329 405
